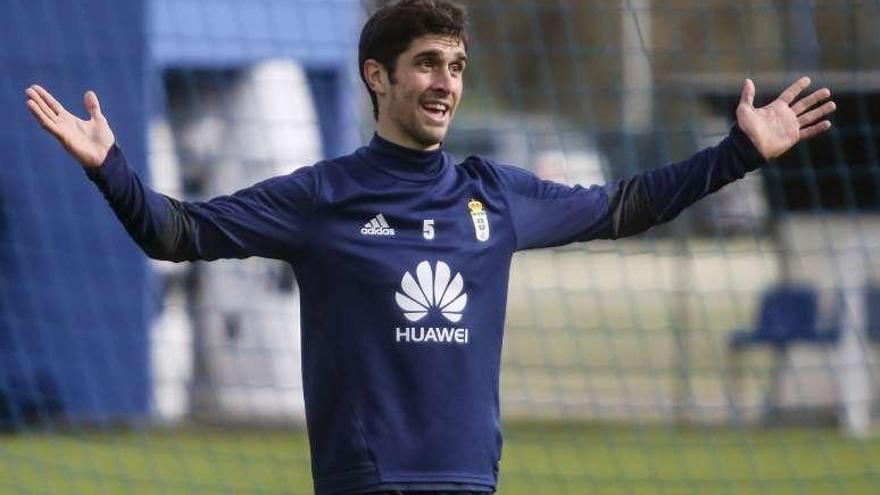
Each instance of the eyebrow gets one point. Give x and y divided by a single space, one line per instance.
434 53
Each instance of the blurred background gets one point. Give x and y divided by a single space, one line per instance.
733 350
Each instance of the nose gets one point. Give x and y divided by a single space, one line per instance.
442 80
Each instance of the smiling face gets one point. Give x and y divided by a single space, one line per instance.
418 101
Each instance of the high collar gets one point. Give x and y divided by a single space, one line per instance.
405 163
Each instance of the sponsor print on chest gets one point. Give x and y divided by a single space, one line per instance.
434 293
430 296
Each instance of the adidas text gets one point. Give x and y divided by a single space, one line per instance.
377 231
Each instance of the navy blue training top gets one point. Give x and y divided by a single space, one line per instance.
402 259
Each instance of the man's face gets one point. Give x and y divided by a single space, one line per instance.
417 108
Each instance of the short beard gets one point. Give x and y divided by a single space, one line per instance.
425 140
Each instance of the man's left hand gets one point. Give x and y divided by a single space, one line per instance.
775 128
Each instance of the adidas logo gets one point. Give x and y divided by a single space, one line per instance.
377 226
432 290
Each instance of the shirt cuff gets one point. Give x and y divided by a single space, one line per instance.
113 163
748 155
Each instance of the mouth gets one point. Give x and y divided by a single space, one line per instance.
437 111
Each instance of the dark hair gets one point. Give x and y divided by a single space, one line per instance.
391 29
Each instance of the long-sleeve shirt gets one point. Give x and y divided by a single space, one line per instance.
402 258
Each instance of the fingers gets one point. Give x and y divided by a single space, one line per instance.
795 89
42 117
90 100
40 103
748 93
807 119
804 103
814 130
816 114
38 107
56 107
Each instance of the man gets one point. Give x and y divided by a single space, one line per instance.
403 256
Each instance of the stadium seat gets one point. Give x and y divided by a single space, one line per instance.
788 315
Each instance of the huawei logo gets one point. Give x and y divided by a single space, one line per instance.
437 289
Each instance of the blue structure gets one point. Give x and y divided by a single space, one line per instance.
320 35
75 292
789 314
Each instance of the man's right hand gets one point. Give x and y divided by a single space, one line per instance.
87 140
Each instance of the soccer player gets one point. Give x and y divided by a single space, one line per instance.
402 256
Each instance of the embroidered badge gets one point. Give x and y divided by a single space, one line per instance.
481 220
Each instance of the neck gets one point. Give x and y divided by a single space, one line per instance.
403 162
392 134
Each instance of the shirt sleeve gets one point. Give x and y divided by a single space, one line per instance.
268 219
546 213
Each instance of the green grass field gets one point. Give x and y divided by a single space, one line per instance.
539 458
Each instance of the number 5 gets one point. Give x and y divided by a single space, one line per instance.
428 229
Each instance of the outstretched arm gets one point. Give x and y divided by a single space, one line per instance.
267 219
550 214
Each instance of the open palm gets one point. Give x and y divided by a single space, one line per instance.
775 128
87 140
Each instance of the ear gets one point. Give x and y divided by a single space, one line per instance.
376 76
